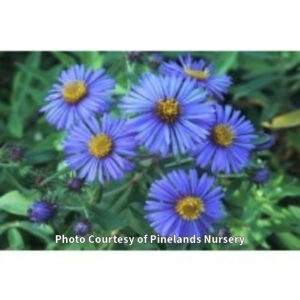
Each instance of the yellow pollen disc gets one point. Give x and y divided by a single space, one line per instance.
200 75
74 91
189 208
222 135
100 145
168 110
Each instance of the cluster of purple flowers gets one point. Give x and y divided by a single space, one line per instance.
177 110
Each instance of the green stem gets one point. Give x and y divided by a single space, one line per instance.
98 194
76 208
83 205
243 175
7 226
8 165
16 183
116 191
174 164
53 176
86 212
123 187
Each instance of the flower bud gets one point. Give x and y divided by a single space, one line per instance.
261 176
75 184
82 227
16 153
135 56
42 211
155 60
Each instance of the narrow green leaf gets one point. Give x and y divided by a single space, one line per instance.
229 61
251 86
41 231
289 240
91 59
15 125
15 239
295 210
64 58
22 81
39 157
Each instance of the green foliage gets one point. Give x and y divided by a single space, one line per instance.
15 203
287 120
266 88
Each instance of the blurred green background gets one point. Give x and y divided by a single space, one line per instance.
266 88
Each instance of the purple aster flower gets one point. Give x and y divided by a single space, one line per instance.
229 144
42 211
261 176
202 72
82 227
100 150
183 204
170 113
78 94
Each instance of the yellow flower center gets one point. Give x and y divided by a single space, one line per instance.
100 145
189 208
222 135
74 91
168 110
197 74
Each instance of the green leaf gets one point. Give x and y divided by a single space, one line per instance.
91 59
136 221
48 143
261 139
295 210
37 74
291 119
22 81
293 138
4 108
282 186
15 125
15 239
289 240
15 203
109 220
64 58
256 84
40 157
229 61
41 231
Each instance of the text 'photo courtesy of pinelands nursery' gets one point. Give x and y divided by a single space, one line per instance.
149 150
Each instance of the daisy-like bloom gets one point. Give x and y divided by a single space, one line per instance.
78 94
170 113
202 72
183 204
100 150
229 144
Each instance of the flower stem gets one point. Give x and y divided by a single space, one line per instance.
53 176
